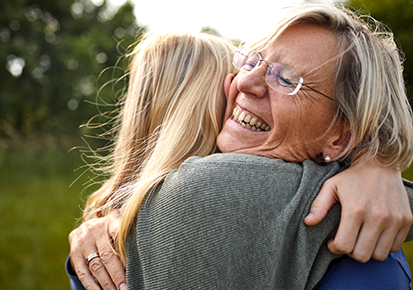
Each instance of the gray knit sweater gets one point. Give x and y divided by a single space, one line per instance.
233 221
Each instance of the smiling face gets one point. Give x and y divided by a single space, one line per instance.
293 128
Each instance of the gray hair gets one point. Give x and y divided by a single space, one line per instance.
368 84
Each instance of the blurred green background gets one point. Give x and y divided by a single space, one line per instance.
55 58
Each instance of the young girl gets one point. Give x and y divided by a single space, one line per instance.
173 110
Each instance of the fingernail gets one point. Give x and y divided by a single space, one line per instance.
123 286
310 215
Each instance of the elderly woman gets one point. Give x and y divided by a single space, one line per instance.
221 221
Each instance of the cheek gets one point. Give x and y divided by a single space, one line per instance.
230 100
315 128
226 142
222 108
227 113
306 122
221 144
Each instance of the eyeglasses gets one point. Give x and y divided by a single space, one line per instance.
280 77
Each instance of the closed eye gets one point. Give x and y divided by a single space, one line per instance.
249 65
285 81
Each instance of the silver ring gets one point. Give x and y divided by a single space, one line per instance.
91 257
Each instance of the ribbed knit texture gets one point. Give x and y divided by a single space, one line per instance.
232 221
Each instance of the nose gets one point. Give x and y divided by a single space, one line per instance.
253 84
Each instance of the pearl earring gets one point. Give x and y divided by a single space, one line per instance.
327 159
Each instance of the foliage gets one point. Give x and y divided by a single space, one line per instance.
398 16
210 30
51 57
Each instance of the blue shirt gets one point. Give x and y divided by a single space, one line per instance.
343 274
346 273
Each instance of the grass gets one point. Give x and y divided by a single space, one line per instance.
38 210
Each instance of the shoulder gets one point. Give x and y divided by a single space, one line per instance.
241 171
236 176
239 162
347 273
239 182
224 186
232 171
241 165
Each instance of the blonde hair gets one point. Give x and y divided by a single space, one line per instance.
173 110
368 84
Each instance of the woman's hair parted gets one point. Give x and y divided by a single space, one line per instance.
368 84
173 110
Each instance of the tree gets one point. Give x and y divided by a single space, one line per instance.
52 55
398 16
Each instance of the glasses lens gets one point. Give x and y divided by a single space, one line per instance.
283 79
246 59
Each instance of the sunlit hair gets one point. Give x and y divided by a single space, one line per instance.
368 84
173 110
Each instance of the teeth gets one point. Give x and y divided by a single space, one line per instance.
253 121
241 116
236 114
248 121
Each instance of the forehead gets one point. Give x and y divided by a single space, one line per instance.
304 47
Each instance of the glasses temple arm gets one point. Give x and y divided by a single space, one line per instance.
314 90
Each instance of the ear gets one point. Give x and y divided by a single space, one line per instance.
338 142
227 84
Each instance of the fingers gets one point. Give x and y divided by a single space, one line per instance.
322 204
363 249
84 275
78 260
373 238
376 216
97 268
366 244
401 237
112 269
391 240
357 235
105 272
111 260
347 233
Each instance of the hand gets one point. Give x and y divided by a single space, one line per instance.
376 214
94 236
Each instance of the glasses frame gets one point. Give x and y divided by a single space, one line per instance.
300 83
